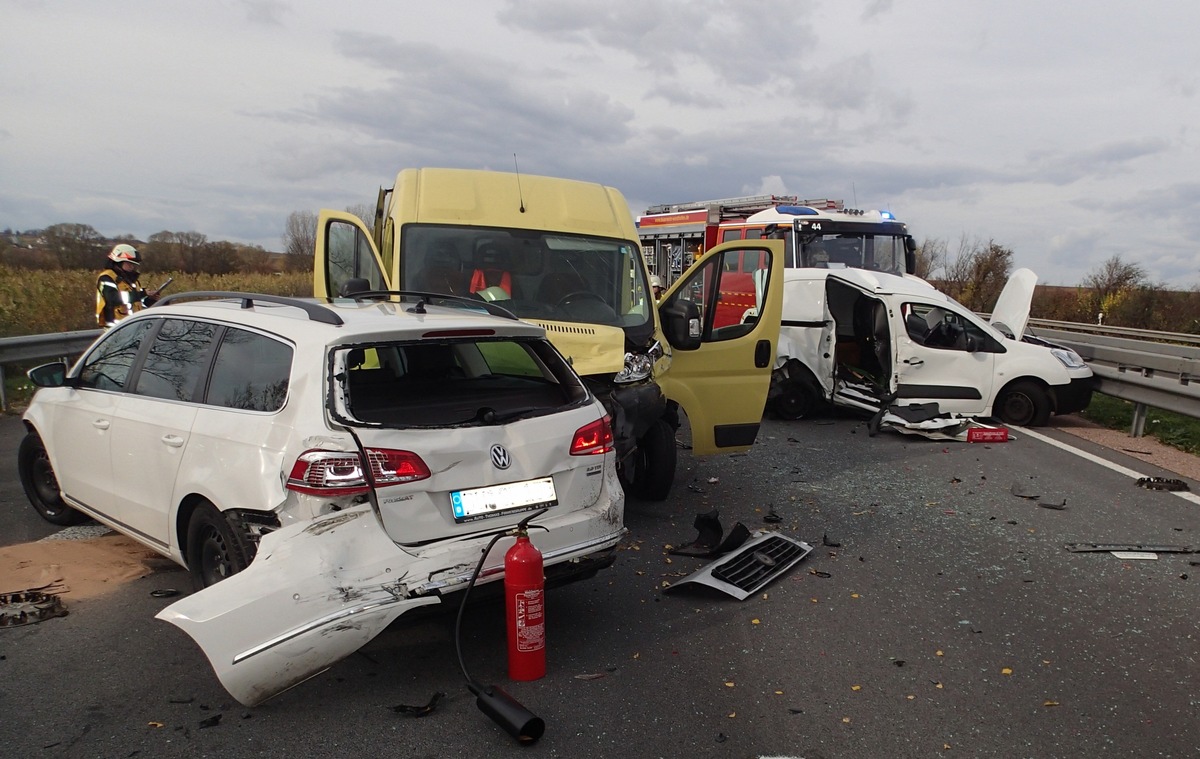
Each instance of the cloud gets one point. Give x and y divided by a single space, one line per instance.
266 12
1065 167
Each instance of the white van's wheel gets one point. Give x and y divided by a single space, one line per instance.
798 401
1023 404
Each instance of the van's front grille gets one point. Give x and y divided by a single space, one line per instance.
757 565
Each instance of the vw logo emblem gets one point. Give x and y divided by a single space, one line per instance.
500 458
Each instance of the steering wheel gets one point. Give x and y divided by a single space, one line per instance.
584 294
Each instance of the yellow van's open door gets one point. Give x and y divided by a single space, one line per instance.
345 251
721 322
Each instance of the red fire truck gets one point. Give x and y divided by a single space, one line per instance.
819 233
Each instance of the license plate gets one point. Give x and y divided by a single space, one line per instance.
481 503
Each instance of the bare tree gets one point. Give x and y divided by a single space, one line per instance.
977 273
366 212
931 257
1114 276
77 246
300 234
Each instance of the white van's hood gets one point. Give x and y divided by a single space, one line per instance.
1012 309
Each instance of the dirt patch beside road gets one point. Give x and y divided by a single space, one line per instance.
81 568
1145 448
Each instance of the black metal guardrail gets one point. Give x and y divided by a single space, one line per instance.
1148 368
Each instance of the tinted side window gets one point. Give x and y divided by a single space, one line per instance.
251 372
107 367
175 365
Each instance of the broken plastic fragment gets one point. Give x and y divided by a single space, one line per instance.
1026 489
1161 483
212 721
423 710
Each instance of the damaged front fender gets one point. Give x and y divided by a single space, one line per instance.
316 593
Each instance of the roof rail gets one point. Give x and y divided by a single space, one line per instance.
316 312
424 297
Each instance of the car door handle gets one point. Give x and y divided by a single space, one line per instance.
914 361
101 424
173 440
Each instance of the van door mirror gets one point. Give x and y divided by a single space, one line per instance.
681 324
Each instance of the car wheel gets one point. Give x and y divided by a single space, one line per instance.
1024 404
40 484
799 400
214 551
650 470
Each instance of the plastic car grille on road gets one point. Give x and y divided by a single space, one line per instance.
758 564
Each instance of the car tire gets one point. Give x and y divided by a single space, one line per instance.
214 551
799 400
1023 404
650 471
40 484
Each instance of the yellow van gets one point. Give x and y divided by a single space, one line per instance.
564 254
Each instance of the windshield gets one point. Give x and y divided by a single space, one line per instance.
853 250
535 275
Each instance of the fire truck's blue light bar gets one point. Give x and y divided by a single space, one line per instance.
797 210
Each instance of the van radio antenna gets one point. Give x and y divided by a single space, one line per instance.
520 195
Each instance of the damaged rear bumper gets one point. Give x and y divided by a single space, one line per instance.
320 590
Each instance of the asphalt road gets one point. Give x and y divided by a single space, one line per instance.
950 621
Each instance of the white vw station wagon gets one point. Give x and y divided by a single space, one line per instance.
229 431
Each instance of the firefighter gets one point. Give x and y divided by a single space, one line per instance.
656 286
117 291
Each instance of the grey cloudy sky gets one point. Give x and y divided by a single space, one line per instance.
1062 130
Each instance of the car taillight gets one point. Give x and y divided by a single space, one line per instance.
596 437
337 473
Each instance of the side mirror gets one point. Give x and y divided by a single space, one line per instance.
681 324
910 255
49 375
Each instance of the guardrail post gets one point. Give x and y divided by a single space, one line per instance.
1139 420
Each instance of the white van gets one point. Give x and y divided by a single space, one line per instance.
871 341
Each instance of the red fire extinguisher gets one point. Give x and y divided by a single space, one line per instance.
524 594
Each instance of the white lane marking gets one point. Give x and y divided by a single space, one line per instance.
1185 495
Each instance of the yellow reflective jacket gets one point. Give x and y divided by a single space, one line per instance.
116 298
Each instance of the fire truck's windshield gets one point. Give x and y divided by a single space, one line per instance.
535 275
852 250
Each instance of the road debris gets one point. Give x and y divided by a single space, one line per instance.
1162 483
765 557
1026 489
423 710
1110 547
708 542
28 607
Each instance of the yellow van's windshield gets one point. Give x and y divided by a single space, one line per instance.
536 275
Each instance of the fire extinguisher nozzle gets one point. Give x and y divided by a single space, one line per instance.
509 714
